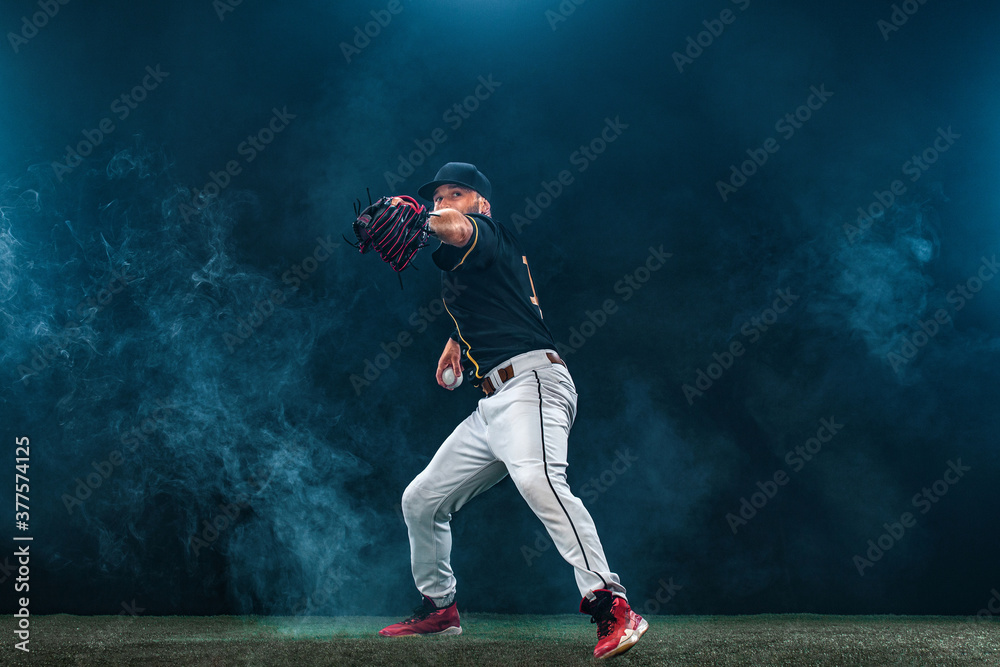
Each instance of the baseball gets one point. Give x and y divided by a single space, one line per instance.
450 379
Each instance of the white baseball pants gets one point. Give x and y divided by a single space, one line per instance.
521 430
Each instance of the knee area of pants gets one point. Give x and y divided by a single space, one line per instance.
531 482
411 501
417 504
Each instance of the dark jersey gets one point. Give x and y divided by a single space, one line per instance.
492 296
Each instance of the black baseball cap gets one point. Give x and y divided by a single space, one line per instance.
458 173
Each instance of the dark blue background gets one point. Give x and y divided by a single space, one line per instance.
274 427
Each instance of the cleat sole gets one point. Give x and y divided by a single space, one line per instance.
627 642
447 631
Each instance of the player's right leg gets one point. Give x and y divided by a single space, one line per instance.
463 467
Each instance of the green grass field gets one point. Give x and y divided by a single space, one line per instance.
490 639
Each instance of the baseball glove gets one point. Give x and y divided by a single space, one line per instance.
394 227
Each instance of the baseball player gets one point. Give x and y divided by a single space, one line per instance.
520 427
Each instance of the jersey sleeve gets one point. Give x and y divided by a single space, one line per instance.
479 253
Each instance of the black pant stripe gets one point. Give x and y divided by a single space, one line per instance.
545 464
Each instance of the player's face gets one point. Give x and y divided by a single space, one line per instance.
463 200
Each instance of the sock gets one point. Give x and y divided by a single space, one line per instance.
446 601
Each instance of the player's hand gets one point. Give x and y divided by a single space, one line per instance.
450 226
450 358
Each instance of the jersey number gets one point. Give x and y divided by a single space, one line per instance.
534 295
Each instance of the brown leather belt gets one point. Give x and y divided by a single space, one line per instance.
507 372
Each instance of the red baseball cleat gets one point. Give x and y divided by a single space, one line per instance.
427 619
618 627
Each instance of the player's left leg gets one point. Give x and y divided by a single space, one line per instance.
530 427
530 419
